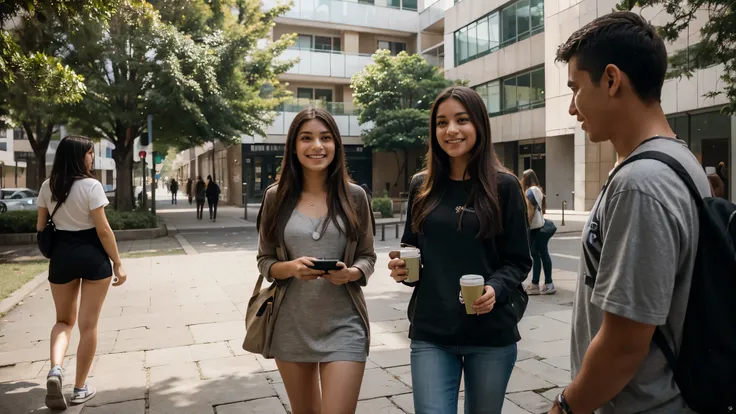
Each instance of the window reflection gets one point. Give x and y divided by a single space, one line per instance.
518 92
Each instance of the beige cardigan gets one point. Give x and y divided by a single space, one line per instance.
358 253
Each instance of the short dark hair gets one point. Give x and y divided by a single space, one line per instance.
623 39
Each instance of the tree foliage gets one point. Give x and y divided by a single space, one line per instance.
395 93
717 44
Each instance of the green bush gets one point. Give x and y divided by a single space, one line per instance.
25 221
384 206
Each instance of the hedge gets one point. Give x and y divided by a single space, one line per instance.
25 221
385 206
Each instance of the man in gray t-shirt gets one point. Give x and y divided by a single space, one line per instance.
640 242
645 231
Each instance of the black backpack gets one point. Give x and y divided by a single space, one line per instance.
705 367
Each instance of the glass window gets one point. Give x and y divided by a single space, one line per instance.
463 43
304 93
522 18
482 90
538 86
472 41
3 146
303 42
494 97
410 4
494 31
398 47
394 3
336 44
323 94
537 14
483 36
382 44
508 24
523 89
322 43
509 94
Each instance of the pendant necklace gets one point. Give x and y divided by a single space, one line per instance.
316 235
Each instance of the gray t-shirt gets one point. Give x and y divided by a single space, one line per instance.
648 238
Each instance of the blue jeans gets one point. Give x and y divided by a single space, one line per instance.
540 256
436 371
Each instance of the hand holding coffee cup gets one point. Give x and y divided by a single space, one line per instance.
478 297
405 265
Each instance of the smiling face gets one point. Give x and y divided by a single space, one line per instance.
315 146
591 103
456 134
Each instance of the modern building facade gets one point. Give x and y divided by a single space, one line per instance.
506 50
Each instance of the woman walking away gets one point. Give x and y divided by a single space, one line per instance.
466 216
321 333
174 190
79 270
190 192
213 197
200 191
536 205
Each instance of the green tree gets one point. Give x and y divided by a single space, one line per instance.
138 65
395 93
717 44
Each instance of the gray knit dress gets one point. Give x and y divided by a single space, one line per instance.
318 321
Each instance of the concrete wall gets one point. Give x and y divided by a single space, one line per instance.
518 125
369 42
430 39
560 174
386 168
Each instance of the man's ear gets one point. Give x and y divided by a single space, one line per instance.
612 75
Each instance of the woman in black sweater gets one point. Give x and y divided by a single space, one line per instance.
467 216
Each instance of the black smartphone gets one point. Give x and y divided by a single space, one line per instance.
325 265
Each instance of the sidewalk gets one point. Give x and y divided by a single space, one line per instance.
182 217
170 342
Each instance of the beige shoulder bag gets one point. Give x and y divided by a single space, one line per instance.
260 317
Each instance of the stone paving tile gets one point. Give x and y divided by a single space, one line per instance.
178 407
546 372
399 340
201 352
379 383
267 364
541 328
232 366
176 372
547 349
377 406
552 394
21 371
236 347
523 354
219 331
113 387
168 356
283 396
393 358
270 405
120 362
405 402
156 339
403 374
524 381
401 325
531 402
128 407
510 408
233 390
562 362
564 316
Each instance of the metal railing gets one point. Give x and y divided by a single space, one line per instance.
326 62
354 13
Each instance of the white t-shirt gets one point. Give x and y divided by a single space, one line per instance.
75 214
538 219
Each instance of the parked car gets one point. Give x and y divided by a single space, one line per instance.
18 199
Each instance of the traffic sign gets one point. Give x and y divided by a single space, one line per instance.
142 154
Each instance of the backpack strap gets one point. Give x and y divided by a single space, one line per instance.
675 165
532 199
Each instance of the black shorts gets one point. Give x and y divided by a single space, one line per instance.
78 255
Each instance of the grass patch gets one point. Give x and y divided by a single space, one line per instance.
25 221
152 253
17 274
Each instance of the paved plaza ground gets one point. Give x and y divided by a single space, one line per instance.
170 339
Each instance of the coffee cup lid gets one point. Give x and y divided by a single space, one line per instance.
409 253
472 280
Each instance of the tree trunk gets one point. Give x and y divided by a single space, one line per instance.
39 140
406 170
123 156
213 161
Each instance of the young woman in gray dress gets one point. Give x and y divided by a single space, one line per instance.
321 334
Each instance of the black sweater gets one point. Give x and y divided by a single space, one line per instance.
435 311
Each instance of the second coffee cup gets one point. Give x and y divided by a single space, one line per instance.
412 257
472 289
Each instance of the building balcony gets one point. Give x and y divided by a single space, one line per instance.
347 124
335 108
431 19
381 14
326 63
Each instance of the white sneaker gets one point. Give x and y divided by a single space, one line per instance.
54 382
549 289
532 289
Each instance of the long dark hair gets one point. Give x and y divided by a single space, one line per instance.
69 166
290 185
529 179
482 168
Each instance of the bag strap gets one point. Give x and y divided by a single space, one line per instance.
658 337
259 284
51 217
532 199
